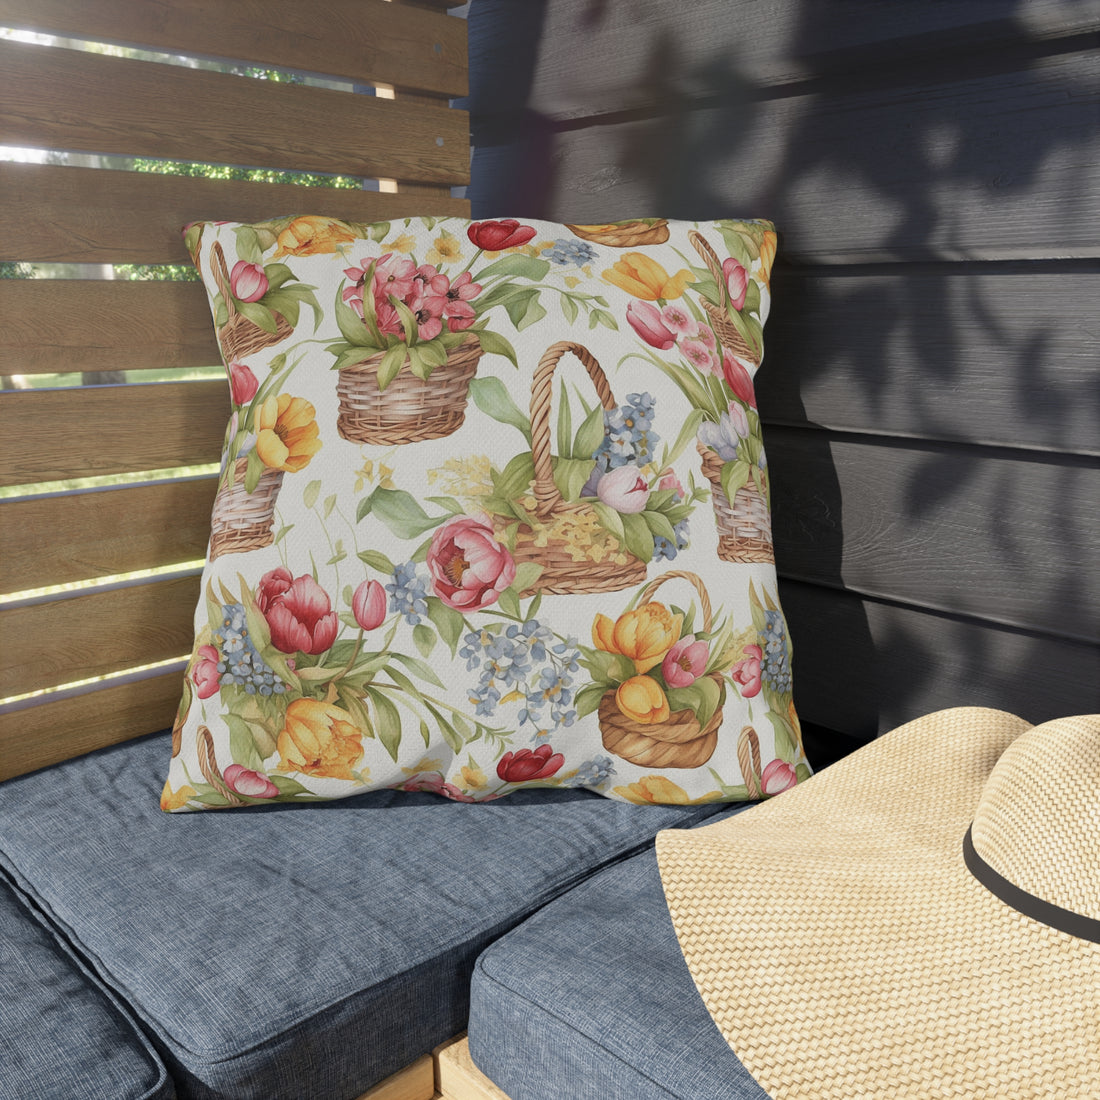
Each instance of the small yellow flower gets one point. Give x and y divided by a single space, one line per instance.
445 250
642 699
405 243
644 635
286 433
474 777
652 789
642 277
170 800
571 281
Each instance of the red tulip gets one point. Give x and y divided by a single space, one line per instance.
242 383
247 281
368 604
738 379
645 319
493 236
204 673
737 282
298 612
525 765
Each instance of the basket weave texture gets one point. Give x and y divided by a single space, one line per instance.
678 742
242 521
732 340
240 337
623 235
745 525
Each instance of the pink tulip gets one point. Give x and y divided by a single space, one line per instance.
298 612
685 662
737 282
249 783
247 281
368 604
777 777
738 379
469 568
645 320
746 673
623 489
242 383
434 783
204 673
669 480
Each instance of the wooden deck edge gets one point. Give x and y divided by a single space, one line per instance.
414 1082
456 1076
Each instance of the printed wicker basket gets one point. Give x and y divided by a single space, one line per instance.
745 525
724 328
409 409
240 337
678 742
627 234
242 521
561 571
748 759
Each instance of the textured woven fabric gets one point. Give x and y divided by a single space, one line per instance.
300 951
62 1036
877 964
590 999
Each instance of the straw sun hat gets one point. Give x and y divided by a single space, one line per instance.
920 920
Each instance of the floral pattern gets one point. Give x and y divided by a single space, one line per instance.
454 495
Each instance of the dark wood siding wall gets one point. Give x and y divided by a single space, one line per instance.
931 389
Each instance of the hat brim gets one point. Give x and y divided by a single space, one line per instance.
844 950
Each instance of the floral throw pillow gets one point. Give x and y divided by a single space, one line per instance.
493 512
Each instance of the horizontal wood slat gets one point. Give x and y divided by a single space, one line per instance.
909 173
101 532
61 325
902 522
62 641
67 99
951 353
864 667
38 736
364 41
89 215
53 435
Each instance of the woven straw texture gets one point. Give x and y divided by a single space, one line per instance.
241 520
745 526
844 950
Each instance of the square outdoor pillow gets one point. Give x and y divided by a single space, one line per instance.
493 513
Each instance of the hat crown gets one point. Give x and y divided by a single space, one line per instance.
1038 821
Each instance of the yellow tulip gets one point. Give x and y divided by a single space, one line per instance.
312 235
644 635
170 800
643 277
286 433
319 739
652 789
642 699
767 255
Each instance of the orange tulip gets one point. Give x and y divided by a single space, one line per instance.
652 789
286 433
767 255
642 277
642 699
319 739
175 800
644 635
311 235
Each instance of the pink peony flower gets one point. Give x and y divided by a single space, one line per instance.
645 320
525 765
737 282
249 783
738 379
700 356
777 777
298 612
678 319
242 383
469 568
204 673
623 489
685 662
746 673
247 282
368 604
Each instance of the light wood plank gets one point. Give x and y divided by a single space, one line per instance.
60 325
863 667
414 1082
65 640
66 99
61 214
101 532
53 435
855 176
967 531
37 736
363 41
950 352
457 1076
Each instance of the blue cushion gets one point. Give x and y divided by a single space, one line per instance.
62 1035
591 998
295 950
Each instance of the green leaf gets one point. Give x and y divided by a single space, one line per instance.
259 315
565 426
407 317
401 513
527 573
253 471
687 433
391 365
330 503
515 479
417 666
588 699
277 274
701 697
375 559
447 621
492 397
310 493
242 746
734 475
417 365
425 638
509 603
515 266
353 329
284 302
605 319
248 245
802 772
659 525
449 503
611 521
590 434
389 722
525 309
379 231
639 539
569 307
785 741
492 343
570 475
425 733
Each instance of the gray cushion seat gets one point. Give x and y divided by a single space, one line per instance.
291 951
591 998
63 1036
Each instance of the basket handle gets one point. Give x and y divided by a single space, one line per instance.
209 767
221 276
748 758
547 496
714 265
719 315
691 578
